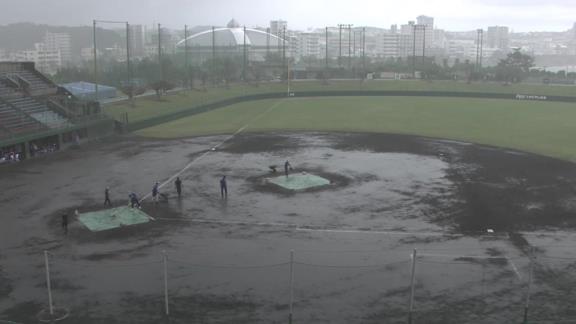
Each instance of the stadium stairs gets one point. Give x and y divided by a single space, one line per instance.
27 102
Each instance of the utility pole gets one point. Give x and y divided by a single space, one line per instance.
340 27
349 47
95 61
479 49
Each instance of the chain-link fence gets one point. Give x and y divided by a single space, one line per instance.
310 286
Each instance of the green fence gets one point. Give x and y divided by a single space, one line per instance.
346 93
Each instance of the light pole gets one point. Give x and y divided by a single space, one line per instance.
479 49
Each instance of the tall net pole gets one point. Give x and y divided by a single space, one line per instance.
213 56
95 60
160 52
244 58
186 66
363 52
128 65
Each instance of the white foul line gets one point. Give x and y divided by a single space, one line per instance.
513 265
191 163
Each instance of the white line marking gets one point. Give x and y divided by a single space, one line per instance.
513 265
194 161
486 257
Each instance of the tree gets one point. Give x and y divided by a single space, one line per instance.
161 87
515 67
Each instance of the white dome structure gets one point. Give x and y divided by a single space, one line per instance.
231 40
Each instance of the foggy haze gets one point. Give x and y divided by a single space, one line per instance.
519 15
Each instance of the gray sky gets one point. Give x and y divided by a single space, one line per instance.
520 15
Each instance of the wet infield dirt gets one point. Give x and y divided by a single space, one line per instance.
473 212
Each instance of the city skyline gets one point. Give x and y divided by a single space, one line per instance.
453 15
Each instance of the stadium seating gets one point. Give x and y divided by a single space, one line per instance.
5 91
39 111
23 96
15 121
35 81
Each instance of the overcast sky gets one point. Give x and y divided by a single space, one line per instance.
520 15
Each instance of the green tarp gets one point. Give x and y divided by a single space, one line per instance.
300 181
113 218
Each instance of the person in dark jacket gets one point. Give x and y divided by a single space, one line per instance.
107 197
178 184
155 192
223 187
287 167
134 200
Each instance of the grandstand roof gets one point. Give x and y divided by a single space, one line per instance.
87 90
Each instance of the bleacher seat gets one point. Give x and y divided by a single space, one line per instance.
39 111
4 90
15 121
34 81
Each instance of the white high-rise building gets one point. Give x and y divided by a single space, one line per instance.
388 45
277 27
47 60
308 44
137 40
428 24
59 42
497 37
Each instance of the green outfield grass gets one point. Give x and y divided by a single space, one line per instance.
540 127
149 107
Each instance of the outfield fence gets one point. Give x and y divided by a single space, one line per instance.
418 286
202 106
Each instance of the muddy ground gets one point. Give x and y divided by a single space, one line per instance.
474 214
